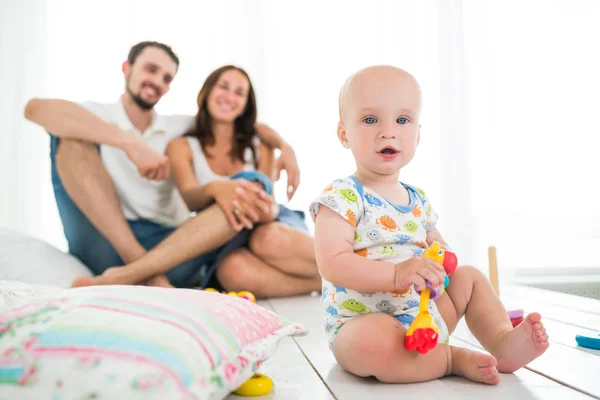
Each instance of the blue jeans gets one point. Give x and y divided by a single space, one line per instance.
89 246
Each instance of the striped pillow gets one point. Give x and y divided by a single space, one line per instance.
135 342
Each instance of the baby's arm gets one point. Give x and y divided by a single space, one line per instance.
338 264
434 235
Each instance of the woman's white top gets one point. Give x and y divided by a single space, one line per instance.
204 174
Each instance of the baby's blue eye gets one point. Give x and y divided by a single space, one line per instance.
402 120
369 120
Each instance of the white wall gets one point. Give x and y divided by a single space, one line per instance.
509 137
25 204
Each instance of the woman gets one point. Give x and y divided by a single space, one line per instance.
273 245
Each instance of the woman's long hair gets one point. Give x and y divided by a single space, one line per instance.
244 125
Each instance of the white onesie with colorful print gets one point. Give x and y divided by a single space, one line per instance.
383 231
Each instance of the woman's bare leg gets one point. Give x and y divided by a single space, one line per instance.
242 270
290 250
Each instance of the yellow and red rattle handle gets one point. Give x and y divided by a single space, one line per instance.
422 335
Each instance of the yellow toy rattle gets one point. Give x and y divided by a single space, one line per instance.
243 294
422 335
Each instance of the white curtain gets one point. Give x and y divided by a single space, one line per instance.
533 131
26 203
508 137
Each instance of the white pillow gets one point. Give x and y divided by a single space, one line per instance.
33 261
132 342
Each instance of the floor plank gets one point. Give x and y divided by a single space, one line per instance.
578 312
528 384
562 301
564 361
560 363
524 384
292 375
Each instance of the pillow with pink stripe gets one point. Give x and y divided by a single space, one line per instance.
134 342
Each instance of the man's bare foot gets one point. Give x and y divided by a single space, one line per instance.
523 344
112 276
159 281
475 366
82 281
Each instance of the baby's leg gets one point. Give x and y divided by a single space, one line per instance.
470 294
373 345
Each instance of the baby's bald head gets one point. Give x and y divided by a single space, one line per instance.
366 87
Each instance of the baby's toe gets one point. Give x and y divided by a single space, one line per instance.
534 318
541 331
492 379
538 325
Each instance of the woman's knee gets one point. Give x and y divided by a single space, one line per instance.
233 272
270 240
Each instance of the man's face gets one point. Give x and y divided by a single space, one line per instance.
150 76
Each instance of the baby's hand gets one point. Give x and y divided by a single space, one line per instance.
416 271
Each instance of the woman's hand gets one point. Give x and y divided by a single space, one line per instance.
267 215
287 160
243 202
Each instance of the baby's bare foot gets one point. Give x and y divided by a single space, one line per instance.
523 344
478 367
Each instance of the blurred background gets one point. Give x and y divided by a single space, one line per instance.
510 133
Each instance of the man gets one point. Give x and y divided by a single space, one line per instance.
110 175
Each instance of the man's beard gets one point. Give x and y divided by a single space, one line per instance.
143 104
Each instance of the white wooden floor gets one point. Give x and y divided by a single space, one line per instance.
304 368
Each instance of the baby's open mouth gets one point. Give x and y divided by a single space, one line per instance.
388 150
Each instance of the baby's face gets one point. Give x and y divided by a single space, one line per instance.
380 119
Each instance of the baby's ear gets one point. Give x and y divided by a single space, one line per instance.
341 132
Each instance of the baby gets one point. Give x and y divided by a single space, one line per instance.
370 234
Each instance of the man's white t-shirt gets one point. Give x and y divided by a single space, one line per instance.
141 198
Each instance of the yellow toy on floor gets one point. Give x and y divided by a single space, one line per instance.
242 294
258 385
423 333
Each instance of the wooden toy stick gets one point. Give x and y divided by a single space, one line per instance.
493 268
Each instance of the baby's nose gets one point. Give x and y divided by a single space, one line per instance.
388 134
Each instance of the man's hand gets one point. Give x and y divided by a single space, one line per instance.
287 160
150 164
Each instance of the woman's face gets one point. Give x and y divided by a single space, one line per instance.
227 99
